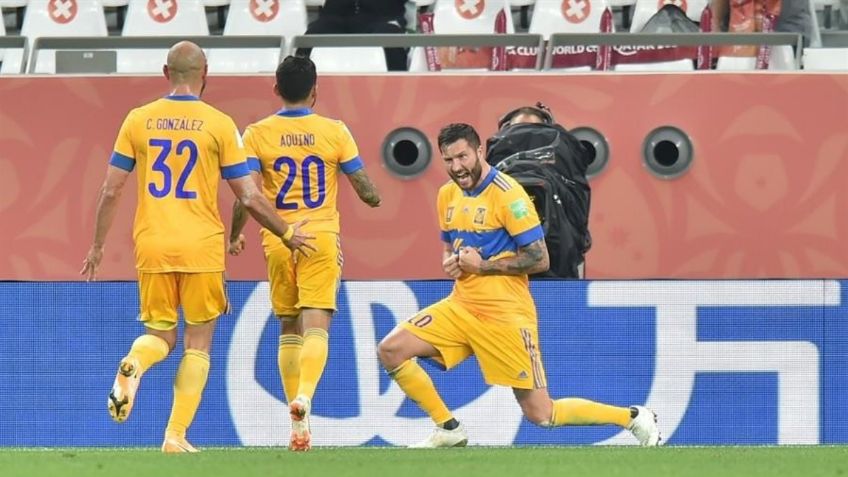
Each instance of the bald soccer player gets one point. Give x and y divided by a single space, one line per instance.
182 148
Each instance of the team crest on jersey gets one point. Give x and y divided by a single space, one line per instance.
449 214
480 216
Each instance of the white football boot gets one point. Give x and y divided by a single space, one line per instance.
443 438
644 427
301 435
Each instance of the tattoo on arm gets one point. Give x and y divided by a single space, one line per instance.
532 258
238 221
365 189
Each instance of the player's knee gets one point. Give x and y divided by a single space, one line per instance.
388 353
539 415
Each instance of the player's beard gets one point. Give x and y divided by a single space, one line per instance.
469 177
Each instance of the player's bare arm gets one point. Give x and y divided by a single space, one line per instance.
107 205
258 206
239 220
365 189
529 259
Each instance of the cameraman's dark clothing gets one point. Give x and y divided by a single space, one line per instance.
363 16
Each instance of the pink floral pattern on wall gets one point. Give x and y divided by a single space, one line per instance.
766 195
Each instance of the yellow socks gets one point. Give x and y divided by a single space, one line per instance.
288 360
416 383
313 358
580 412
188 388
148 350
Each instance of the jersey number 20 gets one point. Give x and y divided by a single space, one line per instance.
291 173
159 165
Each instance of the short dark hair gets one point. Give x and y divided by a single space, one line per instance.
540 111
456 131
296 77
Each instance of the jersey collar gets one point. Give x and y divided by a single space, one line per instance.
182 97
294 113
486 181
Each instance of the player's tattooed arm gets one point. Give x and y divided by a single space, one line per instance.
239 220
365 189
240 214
529 259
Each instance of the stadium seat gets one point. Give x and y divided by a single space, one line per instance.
349 60
645 9
314 3
469 16
56 18
159 18
265 17
781 58
217 3
567 16
825 59
114 3
463 16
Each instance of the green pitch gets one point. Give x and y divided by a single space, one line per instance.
469 462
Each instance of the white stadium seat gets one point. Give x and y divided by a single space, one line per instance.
48 18
114 3
470 16
159 18
349 60
216 3
13 3
262 17
463 16
567 16
826 59
781 58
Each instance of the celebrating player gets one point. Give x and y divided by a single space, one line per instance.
492 240
295 155
182 148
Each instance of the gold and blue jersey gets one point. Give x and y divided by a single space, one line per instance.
496 218
299 154
181 148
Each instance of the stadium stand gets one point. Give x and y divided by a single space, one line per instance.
449 16
56 18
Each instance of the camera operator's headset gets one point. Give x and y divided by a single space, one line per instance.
542 111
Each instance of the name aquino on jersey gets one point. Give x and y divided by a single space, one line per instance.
297 139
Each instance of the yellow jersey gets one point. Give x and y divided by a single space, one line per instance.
299 154
182 147
496 218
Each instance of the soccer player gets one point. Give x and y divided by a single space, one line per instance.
182 148
492 240
296 155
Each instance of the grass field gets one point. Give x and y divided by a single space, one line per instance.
479 461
